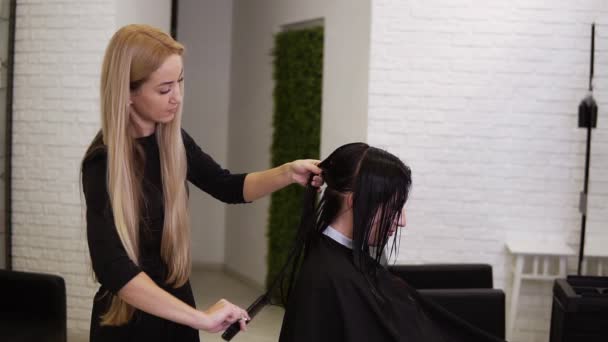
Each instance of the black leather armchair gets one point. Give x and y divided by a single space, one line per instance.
445 276
32 307
463 289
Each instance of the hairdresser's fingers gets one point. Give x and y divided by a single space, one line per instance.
302 169
311 165
236 314
317 181
243 324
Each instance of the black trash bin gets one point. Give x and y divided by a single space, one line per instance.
580 309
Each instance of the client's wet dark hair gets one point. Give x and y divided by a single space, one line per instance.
379 183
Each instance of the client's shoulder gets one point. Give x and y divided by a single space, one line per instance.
333 261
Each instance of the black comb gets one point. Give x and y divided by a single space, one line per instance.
252 310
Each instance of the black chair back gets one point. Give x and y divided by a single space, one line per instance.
445 276
33 307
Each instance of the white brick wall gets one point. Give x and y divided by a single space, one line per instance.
58 52
480 99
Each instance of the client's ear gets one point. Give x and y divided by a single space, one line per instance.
349 200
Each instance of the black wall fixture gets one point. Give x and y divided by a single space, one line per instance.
174 12
7 69
587 118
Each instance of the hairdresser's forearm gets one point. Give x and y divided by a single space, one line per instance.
143 293
261 183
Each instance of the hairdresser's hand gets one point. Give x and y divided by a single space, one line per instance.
221 315
300 171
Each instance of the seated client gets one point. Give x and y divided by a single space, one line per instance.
341 291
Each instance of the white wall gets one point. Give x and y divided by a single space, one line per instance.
59 48
345 72
152 12
55 116
205 27
481 99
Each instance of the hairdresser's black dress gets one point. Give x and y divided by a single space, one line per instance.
333 302
110 262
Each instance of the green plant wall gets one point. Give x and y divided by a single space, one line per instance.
298 71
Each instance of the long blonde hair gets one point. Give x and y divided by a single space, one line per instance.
135 52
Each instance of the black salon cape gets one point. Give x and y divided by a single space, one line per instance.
332 301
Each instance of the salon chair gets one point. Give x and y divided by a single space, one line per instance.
445 276
466 290
32 307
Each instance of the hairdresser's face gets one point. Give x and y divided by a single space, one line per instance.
397 223
159 98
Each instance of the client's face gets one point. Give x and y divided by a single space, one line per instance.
397 223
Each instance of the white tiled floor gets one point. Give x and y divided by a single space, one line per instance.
210 286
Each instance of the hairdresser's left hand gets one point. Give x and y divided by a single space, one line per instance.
300 170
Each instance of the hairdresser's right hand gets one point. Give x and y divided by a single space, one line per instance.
221 315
